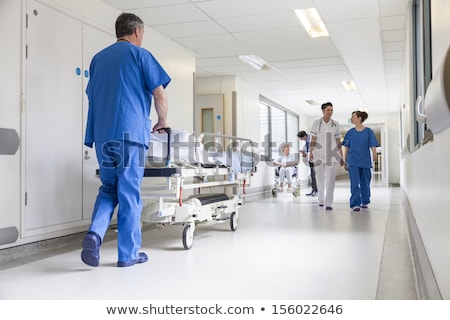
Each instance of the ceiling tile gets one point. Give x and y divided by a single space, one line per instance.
191 29
171 14
134 4
393 22
278 20
366 44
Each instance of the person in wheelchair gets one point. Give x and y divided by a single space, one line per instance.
285 166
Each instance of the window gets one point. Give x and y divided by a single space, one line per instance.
422 56
264 129
277 129
277 125
292 125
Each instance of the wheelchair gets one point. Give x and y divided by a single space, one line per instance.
295 183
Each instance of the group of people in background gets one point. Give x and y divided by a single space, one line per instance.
325 152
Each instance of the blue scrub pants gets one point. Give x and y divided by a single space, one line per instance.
121 166
359 186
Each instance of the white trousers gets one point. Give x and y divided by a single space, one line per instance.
326 179
286 173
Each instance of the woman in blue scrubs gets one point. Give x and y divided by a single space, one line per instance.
123 80
358 144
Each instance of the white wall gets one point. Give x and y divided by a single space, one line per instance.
248 126
178 62
425 179
10 105
220 85
425 173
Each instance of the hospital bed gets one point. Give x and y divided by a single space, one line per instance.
179 163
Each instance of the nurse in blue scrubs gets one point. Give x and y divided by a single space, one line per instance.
358 145
124 79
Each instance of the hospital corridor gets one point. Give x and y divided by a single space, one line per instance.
183 118
284 248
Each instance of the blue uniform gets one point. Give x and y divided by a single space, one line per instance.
359 164
122 78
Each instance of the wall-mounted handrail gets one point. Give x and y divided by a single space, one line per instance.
420 114
437 98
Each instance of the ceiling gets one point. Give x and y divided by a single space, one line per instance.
366 45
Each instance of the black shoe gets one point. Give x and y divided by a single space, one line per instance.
310 194
90 254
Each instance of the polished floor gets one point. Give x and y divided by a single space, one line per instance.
284 248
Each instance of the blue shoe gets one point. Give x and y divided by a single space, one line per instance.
142 258
91 249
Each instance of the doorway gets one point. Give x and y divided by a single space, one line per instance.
209 115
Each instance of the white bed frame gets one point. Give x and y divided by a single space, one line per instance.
162 191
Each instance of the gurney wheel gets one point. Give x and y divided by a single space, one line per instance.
188 236
233 221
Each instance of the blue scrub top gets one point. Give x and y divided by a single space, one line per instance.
359 144
122 78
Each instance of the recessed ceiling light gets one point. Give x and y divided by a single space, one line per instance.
349 85
255 61
312 102
312 22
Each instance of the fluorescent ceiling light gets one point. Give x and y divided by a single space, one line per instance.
255 61
311 102
349 85
312 22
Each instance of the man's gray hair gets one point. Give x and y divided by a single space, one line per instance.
126 23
